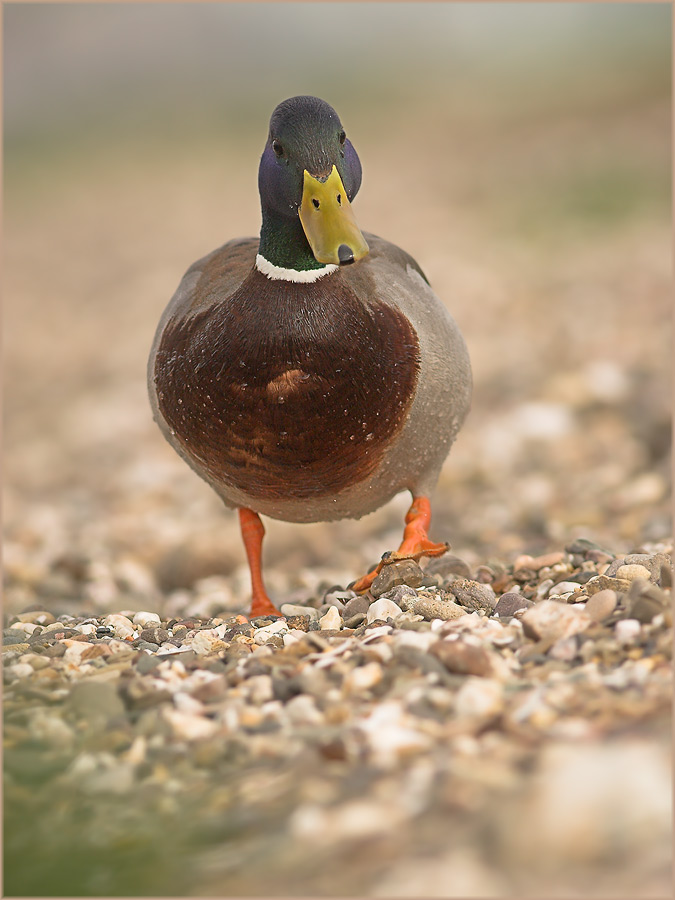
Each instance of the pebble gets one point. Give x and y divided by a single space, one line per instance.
627 629
552 620
510 603
382 609
146 619
448 565
473 594
462 657
479 697
362 678
291 609
403 571
331 620
434 606
207 641
122 626
631 572
601 605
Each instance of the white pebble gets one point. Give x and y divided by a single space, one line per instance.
75 649
188 727
206 641
19 670
382 609
362 678
332 620
87 628
262 635
121 625
301 710
146 619
420 639
479 697
626 629
25 627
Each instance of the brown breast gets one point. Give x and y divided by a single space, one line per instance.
287 389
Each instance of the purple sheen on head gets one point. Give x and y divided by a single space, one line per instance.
352 170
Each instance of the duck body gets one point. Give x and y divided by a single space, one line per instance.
309 401
312 374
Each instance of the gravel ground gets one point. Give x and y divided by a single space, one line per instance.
455 732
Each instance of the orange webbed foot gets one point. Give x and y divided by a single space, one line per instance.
415 544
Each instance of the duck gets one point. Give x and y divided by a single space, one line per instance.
311 374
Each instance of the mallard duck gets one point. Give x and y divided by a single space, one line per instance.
313 374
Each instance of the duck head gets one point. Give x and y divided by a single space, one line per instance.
309 174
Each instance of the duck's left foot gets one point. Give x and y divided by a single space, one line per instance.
415 544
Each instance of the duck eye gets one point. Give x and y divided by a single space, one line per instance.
342 138
278 149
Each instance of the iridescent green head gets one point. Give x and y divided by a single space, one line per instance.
309 174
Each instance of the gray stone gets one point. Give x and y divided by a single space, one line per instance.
448 565
510 603
403 571
473 594
93 700
358 604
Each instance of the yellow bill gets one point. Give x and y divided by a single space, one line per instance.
328 221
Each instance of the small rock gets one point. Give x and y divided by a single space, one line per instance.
564 649
510 603
382 609
403 571
547 560
189 727
121 626
154 635
358 604
627 629
207 641
146 619
292 609
601 605
646 601
331 620
552 620
462 657
480 697
473 594
18 671
301 710
37 617
95 700
399 593
631 572
447 565
435 607
362 678
75 649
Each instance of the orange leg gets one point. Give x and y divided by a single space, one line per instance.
252 531
415 542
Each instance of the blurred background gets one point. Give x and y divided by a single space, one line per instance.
533 144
